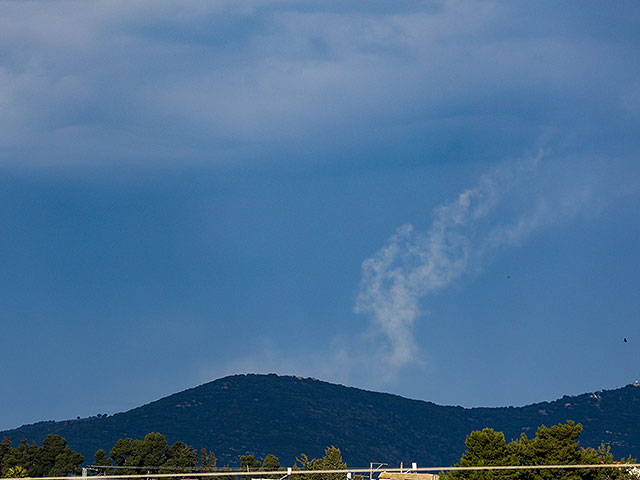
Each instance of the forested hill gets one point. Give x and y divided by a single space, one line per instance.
287 416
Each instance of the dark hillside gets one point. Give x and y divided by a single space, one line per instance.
261 414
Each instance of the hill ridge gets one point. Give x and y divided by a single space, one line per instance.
289 415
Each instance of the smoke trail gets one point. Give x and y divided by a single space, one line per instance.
461 239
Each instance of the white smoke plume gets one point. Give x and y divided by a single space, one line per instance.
461 239
504 208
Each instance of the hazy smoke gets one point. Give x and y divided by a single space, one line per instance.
462 237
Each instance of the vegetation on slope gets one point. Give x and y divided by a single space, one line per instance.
262 414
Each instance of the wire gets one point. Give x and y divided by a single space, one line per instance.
413 475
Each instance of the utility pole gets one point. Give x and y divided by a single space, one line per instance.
378 465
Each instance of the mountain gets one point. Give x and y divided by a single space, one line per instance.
287 416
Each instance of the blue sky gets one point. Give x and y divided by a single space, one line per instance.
434 199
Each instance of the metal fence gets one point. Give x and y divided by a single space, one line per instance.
422 473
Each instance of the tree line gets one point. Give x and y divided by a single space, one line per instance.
53 459
556 445
153 454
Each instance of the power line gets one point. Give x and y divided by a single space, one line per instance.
289 471
134 467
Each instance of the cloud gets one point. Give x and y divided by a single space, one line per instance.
465 235
507 205
274 81
503 209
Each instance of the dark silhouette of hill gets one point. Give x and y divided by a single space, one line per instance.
286 416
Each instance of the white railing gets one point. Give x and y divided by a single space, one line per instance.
349 472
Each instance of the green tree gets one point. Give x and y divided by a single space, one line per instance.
56 459
602 454
16 472
52 446
100 459
208 461
556 445
484 448
150 452
309 464
249 463
5 450
24 455
270 463
153 454
181 456
120 451
332 460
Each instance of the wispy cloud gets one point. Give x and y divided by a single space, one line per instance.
503 209
463 237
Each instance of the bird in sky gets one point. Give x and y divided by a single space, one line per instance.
625 339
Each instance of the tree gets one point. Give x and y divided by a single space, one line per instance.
332 460
5 451
181 456
556 445
153 454
16 472
270 463
150 452
248 463
120 451
484 448
54 458
23 455
603 455
208 461
100 459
